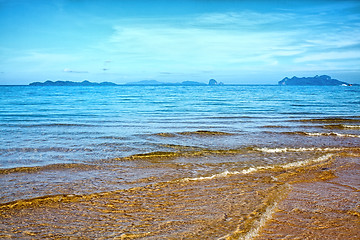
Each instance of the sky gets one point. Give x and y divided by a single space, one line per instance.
232 41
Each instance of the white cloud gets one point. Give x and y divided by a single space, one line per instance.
232 40
200 47
215 42
329 56
335 39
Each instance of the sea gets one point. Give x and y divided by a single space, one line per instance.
180 162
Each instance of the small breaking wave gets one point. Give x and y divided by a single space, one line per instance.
317 134
285 149
342 126
218 175
259 168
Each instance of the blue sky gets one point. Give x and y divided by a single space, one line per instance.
243 42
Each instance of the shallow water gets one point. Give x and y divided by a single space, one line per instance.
226 162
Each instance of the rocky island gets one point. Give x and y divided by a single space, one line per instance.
71 83
212 82
322 80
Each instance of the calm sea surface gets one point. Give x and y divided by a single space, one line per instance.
160 162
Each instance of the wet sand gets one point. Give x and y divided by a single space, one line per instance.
325 209
316 199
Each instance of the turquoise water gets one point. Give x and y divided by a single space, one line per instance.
176 162
47 125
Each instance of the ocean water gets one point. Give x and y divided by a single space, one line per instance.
180 162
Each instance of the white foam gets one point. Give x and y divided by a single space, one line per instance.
332 134
223 174
351 126
281 150
255 169
306 162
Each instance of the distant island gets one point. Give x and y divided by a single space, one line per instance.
323 80
157 83
70 83
212 82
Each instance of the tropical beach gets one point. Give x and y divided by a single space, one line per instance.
191 119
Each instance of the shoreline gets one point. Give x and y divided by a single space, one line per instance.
295 200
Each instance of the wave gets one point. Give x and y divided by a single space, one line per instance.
40 200
275 126
339 119
180 152
259 168
152 155
189 152
231 117
184 153
316 134
48 149
166 134
181 147
59 166
285 149
342 126
50 125
218 175
197 133
112 137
